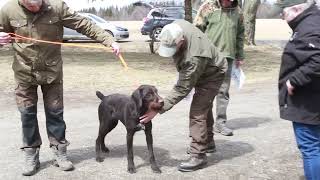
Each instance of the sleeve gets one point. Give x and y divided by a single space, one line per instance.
304 74
73 20
188 76
240 38
4 22
200 21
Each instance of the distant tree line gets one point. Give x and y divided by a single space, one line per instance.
126 13
134 13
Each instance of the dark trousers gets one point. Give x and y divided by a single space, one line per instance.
308 140
223 96
201 118
27 98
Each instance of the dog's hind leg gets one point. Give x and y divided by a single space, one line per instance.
148 131
104 129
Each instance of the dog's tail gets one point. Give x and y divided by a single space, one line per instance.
100 95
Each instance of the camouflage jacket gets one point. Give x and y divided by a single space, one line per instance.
223 26
196 65
40 63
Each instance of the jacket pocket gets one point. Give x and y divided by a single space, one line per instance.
283 95
19 26
52 61
48 28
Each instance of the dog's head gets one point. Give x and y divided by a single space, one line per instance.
146 97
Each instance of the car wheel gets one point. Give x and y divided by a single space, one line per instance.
110 33
155 33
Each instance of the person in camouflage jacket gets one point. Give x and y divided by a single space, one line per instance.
222 21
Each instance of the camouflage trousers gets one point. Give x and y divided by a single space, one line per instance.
250 29
201 117
27 98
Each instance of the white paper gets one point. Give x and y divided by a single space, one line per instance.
238 77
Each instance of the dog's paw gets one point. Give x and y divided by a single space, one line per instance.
132 170
105 149
156 169
99 159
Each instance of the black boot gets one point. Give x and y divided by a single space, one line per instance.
211 147
194 163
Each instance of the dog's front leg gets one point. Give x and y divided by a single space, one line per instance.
148 131
131 167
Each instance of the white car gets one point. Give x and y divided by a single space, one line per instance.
117 32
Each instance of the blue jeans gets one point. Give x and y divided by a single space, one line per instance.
308 140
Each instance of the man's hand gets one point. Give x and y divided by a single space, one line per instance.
115 48
147 117
239 62
5 38
289 87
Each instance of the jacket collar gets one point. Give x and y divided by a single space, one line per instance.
296 21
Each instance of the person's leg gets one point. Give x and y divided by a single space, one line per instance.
222 101
210 140
26 99
56 127
200 106
308 141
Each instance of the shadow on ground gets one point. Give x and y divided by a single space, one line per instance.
226 150
244 123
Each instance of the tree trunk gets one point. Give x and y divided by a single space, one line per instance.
188 10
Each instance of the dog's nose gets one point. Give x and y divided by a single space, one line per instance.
161 103
160 100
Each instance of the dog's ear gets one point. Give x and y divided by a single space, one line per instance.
137 97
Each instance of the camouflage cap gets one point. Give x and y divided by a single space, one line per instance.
169 36
288 3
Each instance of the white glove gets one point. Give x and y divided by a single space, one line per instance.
115 48
5 38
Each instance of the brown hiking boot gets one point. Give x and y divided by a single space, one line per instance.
32 163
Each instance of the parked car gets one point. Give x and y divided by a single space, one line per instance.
117 32
158 17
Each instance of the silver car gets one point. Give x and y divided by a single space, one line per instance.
117 32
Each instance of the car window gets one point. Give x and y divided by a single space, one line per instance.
175 13
154 10
96 19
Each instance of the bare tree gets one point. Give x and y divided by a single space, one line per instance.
188 10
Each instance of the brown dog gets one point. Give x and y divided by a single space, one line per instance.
128 110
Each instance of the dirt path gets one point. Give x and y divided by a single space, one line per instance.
262 148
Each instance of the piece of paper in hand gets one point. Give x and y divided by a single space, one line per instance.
237 75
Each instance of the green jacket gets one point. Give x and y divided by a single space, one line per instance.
224 27
196 65
40 63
